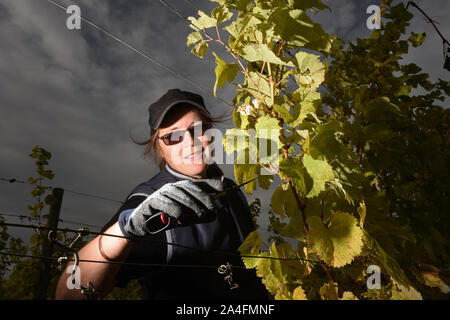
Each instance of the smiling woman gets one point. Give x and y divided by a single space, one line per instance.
182 194
170 144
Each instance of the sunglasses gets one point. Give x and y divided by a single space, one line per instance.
177 136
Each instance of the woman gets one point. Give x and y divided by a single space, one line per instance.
173 219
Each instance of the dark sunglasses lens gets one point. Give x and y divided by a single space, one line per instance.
178 136
173 138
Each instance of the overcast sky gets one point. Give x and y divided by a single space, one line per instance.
79 94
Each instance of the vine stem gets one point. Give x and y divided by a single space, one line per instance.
272 89
271 168
429 20
243 68
300 205
261 72
324 267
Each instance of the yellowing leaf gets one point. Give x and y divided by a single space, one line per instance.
301 111
309 64
238 27
283 202
245 171
284 112
400 292
417 38
297 28
377 253
432 279
269 128
261 52
224 72
257 84
299 294
338 244
320 172
200 46
251 246
203 22
235 139
348 295
293 169
295 228
272 276
221 14
194 38
200 49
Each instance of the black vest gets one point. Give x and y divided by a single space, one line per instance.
197 252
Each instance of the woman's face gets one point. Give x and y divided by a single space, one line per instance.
186 156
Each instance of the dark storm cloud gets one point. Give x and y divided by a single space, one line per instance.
79 94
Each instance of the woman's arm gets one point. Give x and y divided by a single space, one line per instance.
102 275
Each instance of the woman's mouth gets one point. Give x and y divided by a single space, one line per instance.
194 155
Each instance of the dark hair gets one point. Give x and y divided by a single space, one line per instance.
151 143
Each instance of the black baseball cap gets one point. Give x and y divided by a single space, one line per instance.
173 97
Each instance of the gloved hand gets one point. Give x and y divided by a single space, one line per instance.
183 202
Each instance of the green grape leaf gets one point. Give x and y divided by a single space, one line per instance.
380 257
311 69
261 52
234 139
299 30
417 38
338 244
240 26
293 169
200 46
200 49
320 172
295 228
245 170
203 22
258 84
283 202
272 274
224 72
251 246
284 112
265 180
221 14
301 111
194 38
268 128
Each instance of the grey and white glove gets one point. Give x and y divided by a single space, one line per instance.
182 203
